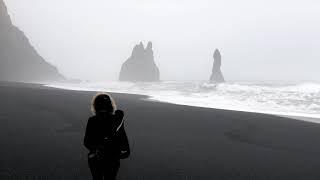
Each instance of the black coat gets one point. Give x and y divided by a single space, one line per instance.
102 136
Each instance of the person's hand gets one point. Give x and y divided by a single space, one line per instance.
119 114
95 154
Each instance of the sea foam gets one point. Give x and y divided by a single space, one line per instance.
286 99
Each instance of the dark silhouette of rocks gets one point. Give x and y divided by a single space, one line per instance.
140 66
19 61
216 76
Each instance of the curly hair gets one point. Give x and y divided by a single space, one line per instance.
103 102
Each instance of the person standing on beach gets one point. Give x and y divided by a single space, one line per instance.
105 138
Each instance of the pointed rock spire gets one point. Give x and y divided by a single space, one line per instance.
140 66
216 76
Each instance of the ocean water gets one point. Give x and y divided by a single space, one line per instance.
285 99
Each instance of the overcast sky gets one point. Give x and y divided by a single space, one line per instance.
259 40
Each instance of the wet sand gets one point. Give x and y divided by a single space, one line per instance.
41 132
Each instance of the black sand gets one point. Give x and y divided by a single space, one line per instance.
41 132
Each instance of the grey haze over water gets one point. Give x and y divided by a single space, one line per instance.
259 40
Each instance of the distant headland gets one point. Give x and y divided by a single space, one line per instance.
19 61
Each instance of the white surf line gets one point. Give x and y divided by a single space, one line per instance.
296 116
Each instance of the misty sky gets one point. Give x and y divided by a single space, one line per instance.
259 40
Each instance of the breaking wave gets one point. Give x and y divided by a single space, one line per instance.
301 100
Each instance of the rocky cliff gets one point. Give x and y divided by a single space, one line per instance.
216 76
140 66
19 61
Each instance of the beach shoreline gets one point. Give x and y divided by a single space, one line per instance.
284 100
42 129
